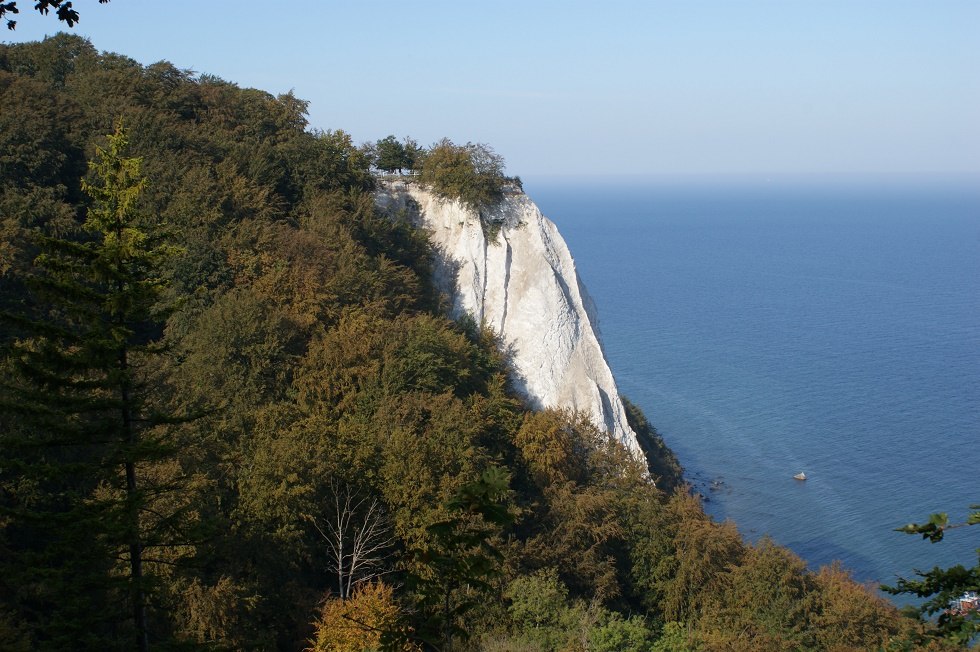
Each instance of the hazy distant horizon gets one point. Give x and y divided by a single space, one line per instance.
678 89
967 183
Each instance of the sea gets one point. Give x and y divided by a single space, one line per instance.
771 329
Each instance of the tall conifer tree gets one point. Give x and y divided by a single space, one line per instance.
76 428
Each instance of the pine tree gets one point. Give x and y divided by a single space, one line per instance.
945 588
76 427
456 570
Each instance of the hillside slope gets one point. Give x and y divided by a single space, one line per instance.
520 280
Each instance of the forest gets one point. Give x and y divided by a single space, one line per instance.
235 416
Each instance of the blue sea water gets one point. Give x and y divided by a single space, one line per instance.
770 330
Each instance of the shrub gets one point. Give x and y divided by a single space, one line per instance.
356 624
471 173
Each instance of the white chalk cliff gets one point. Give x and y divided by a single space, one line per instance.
521 282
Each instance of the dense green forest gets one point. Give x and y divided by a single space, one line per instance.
234 415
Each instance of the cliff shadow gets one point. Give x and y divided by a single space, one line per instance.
395 202
488 335
445 278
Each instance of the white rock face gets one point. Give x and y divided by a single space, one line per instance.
523 284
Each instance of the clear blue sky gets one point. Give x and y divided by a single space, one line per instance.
743 89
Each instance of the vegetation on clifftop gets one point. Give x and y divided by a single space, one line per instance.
472 173
321 458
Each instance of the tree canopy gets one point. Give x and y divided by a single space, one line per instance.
217 311
390 155
471 173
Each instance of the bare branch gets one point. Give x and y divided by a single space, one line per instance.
357 535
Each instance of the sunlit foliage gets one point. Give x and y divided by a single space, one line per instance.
293 351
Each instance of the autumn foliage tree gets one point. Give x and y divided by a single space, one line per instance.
359 622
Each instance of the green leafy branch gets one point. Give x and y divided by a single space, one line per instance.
944 585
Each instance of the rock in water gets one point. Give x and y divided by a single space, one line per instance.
516 275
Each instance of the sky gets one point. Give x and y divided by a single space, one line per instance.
732 89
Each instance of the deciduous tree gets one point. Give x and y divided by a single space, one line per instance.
357 536
390 155
360 622
471 173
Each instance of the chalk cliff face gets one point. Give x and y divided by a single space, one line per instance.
521 282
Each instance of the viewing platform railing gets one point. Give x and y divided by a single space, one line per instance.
381 174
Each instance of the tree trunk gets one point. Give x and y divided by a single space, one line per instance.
135 542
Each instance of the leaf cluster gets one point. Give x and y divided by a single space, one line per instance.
64 11
943 586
